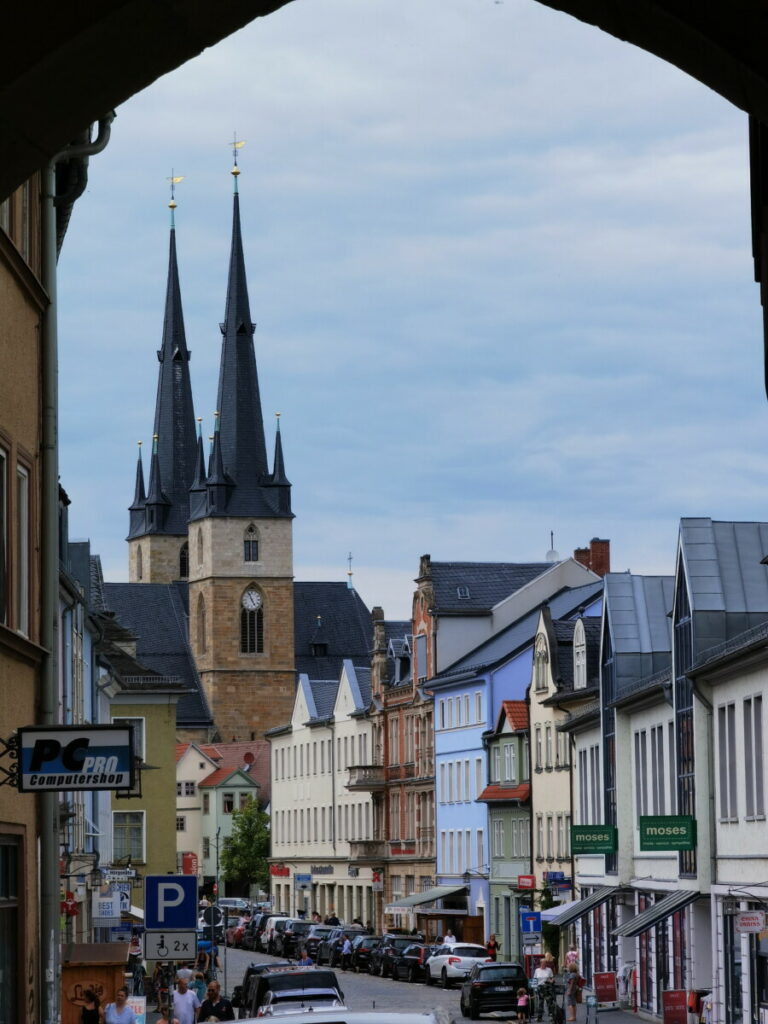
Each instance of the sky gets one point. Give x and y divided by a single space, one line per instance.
500 268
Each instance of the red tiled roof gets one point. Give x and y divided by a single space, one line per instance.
206 748
517 714
181 749
251 756
217 776
495 792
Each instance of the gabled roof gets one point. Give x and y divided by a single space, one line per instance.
220 776
485 584
519 635
347 629
516 713
638 610
495 793
324 695
723 565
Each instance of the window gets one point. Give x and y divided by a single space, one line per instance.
539 750
206 803
394 741
462 593
579 657
251 544
443 792
3 536
450 782
202 639
641 773
139 563
22 550
583 789
467 793
459 797
510 763
466 709
251 623
421 656
560 836
540 659
548 745
11 962
498 838
525 773
245 799
200 546
478 706
550 837
228 803
181 823
478 777
178 789
658 775
496 777
189 789
206 847
540 837
753 757
184 561
394 816
480 850
128 835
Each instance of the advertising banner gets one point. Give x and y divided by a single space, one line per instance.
605 987
674 1006
593 839
667 832
73 757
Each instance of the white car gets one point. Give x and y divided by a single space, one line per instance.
453 963
342 1016
302 1000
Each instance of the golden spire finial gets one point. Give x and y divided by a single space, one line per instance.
174 180
236 144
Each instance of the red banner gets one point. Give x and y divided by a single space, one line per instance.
674 1006
189 863
605 987
279 870
526 881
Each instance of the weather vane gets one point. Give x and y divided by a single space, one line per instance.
174 180
236 144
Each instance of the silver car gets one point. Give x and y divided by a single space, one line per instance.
453 963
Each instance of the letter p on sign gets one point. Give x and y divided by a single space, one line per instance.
169 895
170 902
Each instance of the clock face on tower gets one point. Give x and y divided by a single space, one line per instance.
251 600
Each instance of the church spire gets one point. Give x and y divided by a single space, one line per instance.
137 507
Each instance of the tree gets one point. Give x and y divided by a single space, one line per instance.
244 857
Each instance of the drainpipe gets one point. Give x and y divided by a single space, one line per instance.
49 571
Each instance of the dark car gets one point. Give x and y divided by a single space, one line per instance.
290 941
410 964
329 950
315 936
291 978
242 993
491 986
362 947
384 954
253 930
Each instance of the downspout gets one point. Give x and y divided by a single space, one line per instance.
49 951
707 705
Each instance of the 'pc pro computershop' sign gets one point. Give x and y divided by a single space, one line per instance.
75 757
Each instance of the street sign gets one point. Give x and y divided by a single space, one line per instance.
170 902
118 874
170 945
74 757
531 938
302 881
530 921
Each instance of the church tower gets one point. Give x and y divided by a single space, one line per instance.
241 540
158 551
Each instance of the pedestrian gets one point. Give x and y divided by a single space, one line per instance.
544 978
185 1003
572 956
91 1012
119 1012
450 938
492 947
571 990
332 919
306 959
166 1018
215 1007
198 985
346 953
203 961
522 1005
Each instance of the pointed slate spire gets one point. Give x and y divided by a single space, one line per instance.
137 508
174 412
197 492
279 481
157 503
218 482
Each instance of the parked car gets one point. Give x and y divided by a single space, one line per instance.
301 1000
242 993
274 924
344 1016
290 941
293 978
491 986
362 947
453 963
235 930
382 956
234 903
315 936
411 964
253 929
329 950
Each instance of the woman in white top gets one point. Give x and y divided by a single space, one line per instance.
119 1012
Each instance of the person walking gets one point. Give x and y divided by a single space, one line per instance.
346 953
544 977
492 947
450 938
119 1012
571 990
572 956
91 1012
215 1007
185 1003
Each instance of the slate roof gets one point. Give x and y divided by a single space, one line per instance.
563 631
324 694
156 613
347 628
498 794
487 583
638 612
520 634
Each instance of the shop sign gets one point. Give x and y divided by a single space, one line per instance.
322 869
279 871
605 987
667 832
750 922
377 880
593 839
674 1006
554 876
78 758
526 881
189 863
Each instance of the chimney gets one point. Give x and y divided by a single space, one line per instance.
596 557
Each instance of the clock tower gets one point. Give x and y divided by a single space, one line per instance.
241 540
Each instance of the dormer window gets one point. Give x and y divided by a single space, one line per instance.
579 657
462 593
319 650
251 544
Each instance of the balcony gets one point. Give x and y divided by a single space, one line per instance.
367 777
367 851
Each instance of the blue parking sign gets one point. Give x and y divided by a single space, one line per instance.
170 902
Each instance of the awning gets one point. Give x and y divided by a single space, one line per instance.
407 903
652 915
136 912
570 912
552 912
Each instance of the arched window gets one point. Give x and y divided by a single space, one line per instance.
184 561
251 622
139 563
251 544
202 640
200 545
579 656
540 659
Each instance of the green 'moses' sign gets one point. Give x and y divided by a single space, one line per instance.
593 838
667 832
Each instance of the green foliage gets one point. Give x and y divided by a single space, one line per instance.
244 856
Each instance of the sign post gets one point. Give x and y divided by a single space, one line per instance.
170 917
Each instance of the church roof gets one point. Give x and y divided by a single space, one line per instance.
346 628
